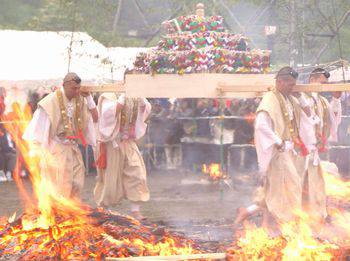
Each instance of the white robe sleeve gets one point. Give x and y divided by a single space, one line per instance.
107 119
307 130
90 132
143 111
335 110
38 129
265 139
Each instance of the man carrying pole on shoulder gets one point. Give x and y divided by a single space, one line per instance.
316 129
64 119
278 147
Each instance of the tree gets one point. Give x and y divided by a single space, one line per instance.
317 37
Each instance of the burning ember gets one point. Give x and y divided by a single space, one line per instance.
303 239
336 188
96 234
214 171
296 242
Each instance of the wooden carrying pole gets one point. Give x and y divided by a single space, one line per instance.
298 88
212 256
203 85
117 87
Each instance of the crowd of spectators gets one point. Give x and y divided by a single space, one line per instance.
198 121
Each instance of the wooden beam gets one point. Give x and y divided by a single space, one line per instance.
116 87
298 88
203 85
213 256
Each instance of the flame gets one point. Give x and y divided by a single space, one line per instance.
301 242
296 242
304 238
338 193
256 244
62 228
214 171
12 218
46 197
336 188
166 248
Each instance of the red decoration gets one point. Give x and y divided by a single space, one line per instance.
216 103
299 144
101 162
80 137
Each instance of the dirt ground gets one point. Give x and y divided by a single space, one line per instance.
205 211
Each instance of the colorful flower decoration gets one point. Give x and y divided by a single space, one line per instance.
195 44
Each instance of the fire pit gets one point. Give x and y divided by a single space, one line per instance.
214 171
95 234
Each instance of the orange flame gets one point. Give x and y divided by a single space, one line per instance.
303 239
296 242
214 171
336 187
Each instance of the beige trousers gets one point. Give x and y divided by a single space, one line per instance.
124 176
64 168
314 192
282 191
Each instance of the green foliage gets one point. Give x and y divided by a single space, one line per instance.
15 14
97 18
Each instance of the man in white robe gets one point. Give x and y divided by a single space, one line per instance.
121 169
276 133
315 131
62 121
